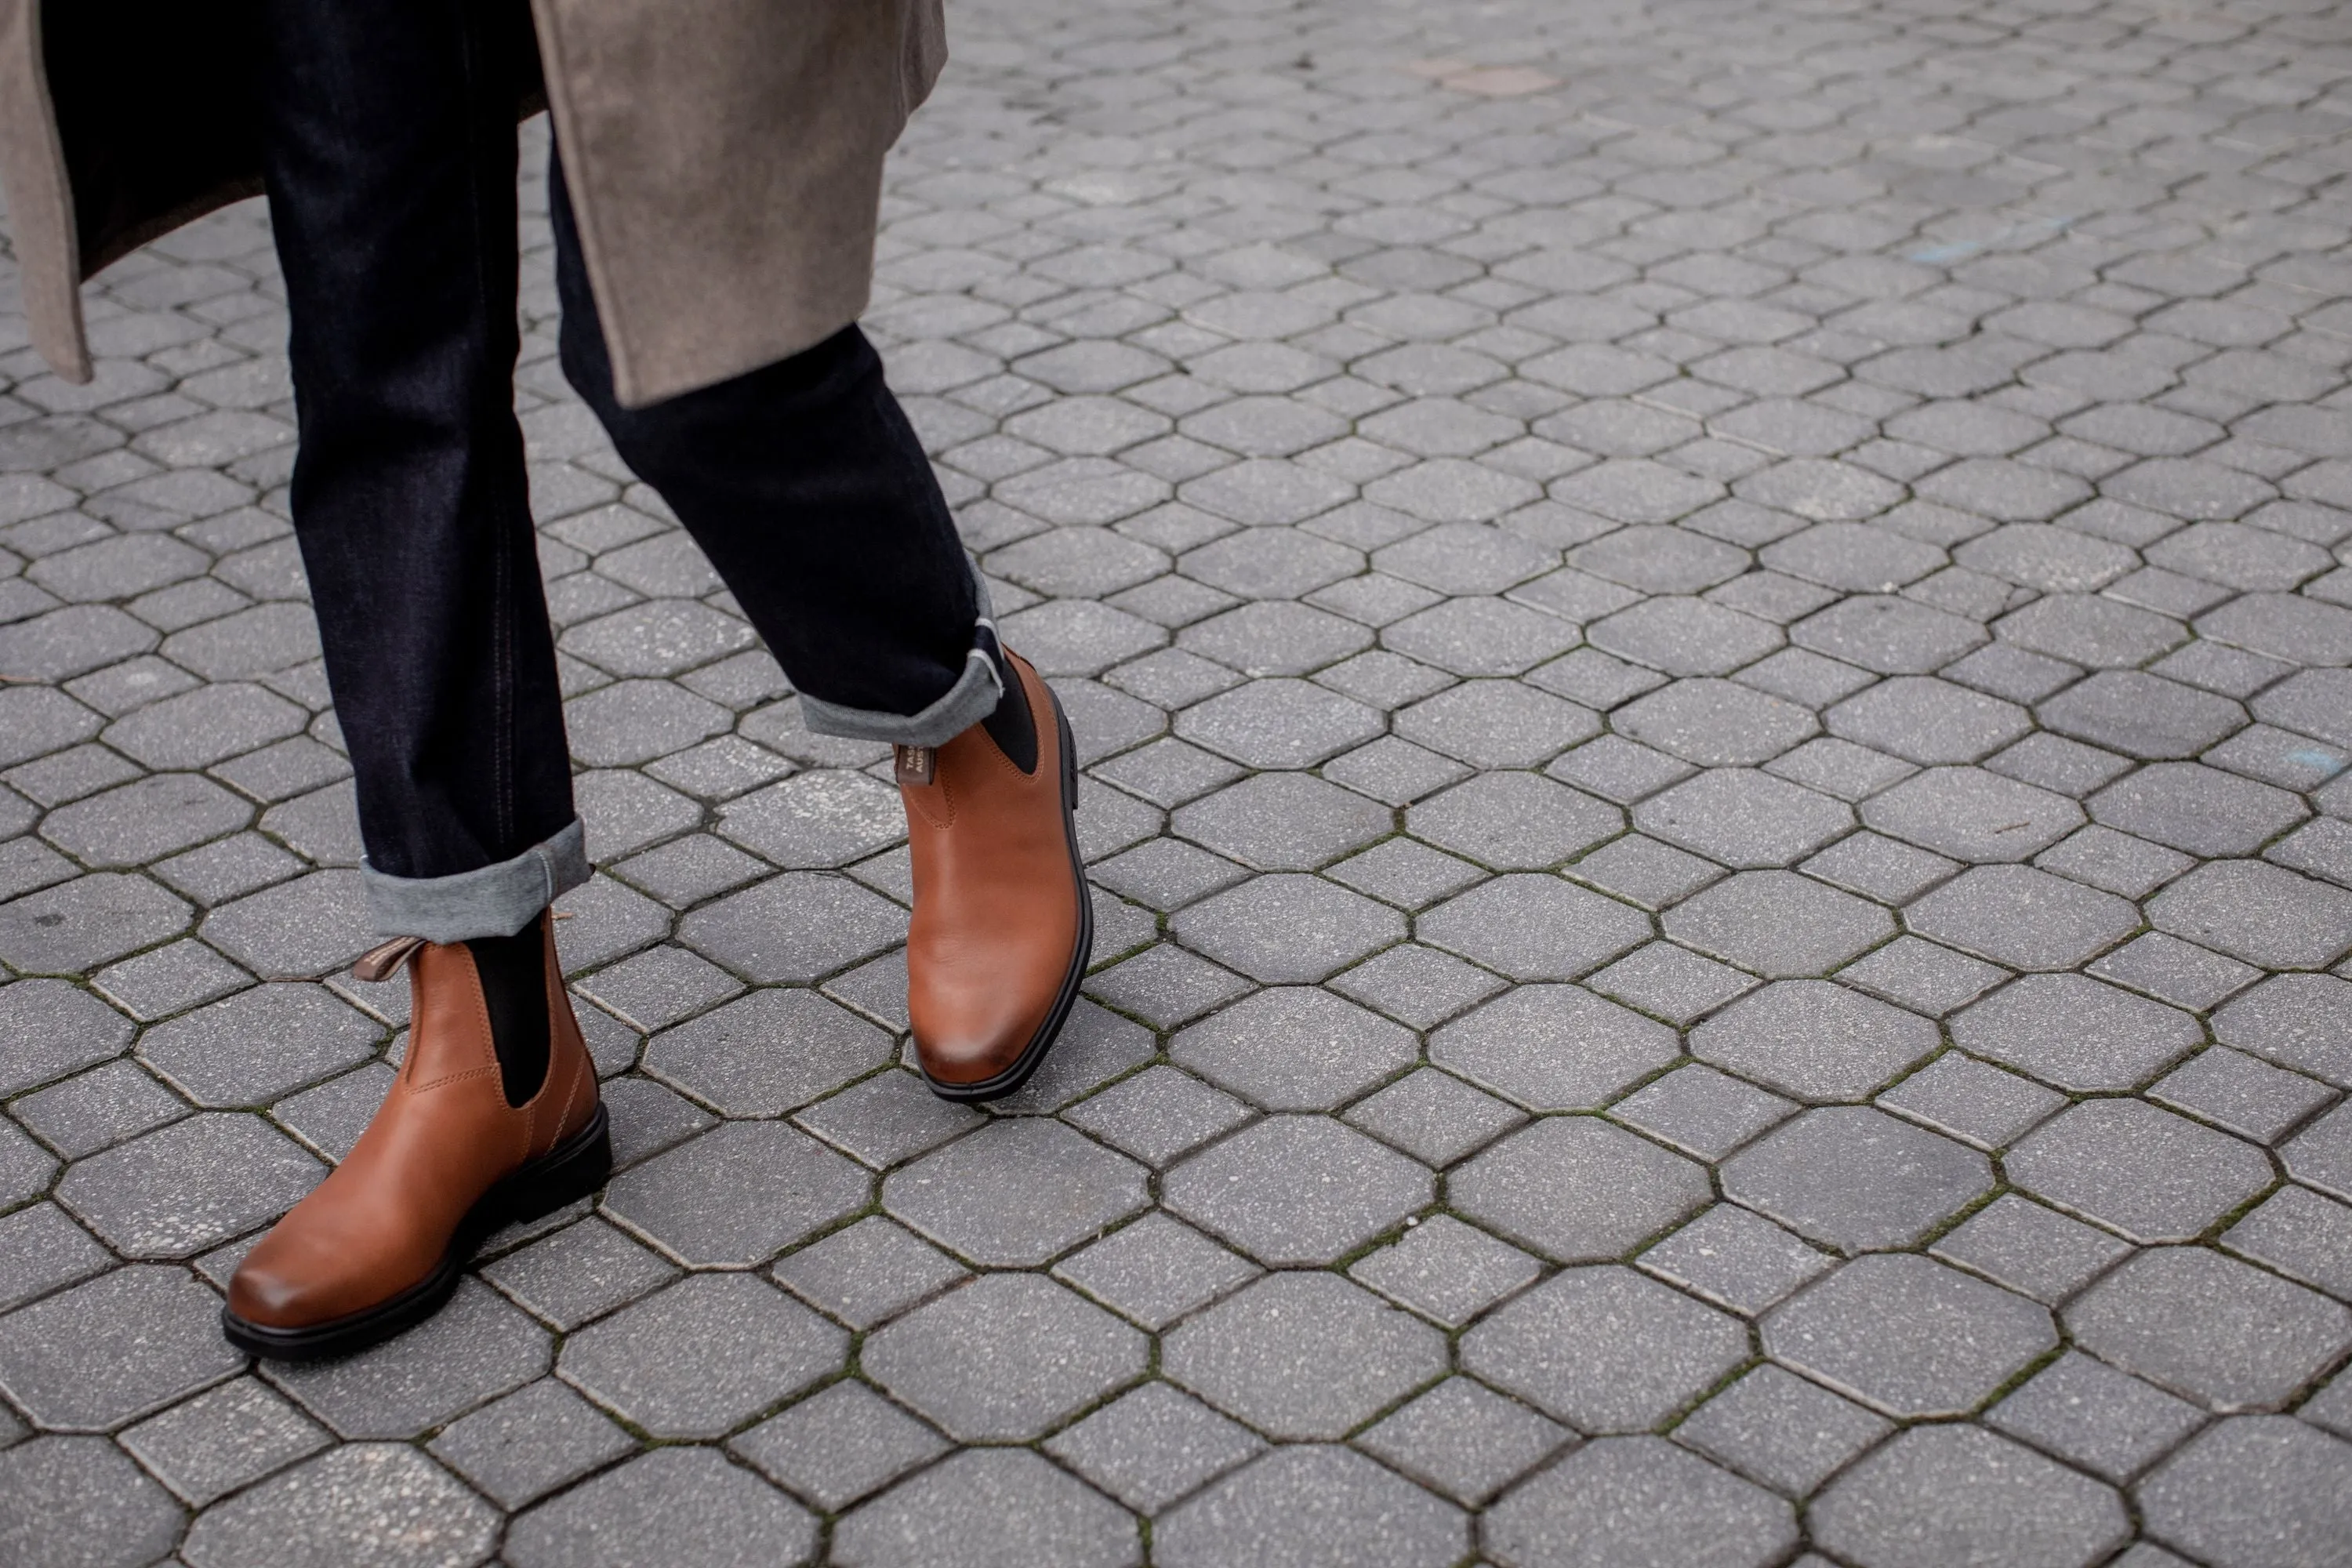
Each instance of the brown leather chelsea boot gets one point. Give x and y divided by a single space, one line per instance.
494 1118
1002 924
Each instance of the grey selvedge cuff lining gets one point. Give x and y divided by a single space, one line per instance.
495 900
973 698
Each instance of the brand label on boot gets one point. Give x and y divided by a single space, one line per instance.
916 764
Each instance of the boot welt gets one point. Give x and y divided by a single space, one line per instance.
1032 1054
570 1171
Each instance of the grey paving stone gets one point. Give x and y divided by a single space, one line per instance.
95 1109
2259 914
1497 724
1973 816
92 921
1156 1270
2210 1328
296 931
1005 1358
475 1348
1927 721
960 1197
2302 1234
1154 1446
2076 1033
1577 1189
225 1438
867 1272
1959 1494
91 1358
2297 1021
1971 1100
407 1508
1465 1441
2196 809
1605 1349
647 1119
2253 1489
1702 1112
48 1028
1857 1179
1158 1115
1514 821
1778 924
2024 917
1312 1506
1535 927
526 1445
578 1274
1295 1048
1446 1270
989 1508
1736 1258
189 1186
767 1054
1297 1189
75 1502
737 1194
1554 1048
840 1444
2177 971
1278 723
41 1249
1908 1336
1166 986
1744 818
1434 1117
793 929
2033 1250
755 1346
260 1044
1923 976
167 980
1814 1040
1286 928
676 1505
1643 1502
1406 873
2142 1171
1879 867
1303 1355
1780 1431
2087 1412
1418 985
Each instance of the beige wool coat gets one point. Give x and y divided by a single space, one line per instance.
724 158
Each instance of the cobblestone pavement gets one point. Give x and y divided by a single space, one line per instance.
1709 649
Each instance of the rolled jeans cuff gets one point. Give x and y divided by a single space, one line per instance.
973 697
495 900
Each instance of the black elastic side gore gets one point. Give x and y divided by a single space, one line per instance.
514 987
1013 727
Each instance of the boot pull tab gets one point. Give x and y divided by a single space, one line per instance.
384 962
916 764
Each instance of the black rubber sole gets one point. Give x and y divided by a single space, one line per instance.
1032 1054
570 1171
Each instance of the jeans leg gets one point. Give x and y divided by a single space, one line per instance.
807 488
391 163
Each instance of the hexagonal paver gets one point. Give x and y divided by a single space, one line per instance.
1577 1189
738 1194
1907 1336
1814 1040
2151 1175
1312 1504
1017 1193
1958 1494
1005 1358
386 1493
2209 1328
1972 815
1605 1349
1303 1355
2258 913
680 1505
1855 1178
1283 822
99 1355
1554 1048
2024 918
2075 1032
1779 923
768 1053
1535 927
2253 1489
752 1346
1297 1189
1288 928
1514 821
1638 1500
1744 818
1296 1048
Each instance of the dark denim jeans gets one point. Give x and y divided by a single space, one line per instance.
391 161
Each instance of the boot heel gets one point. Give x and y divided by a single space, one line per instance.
570 1172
